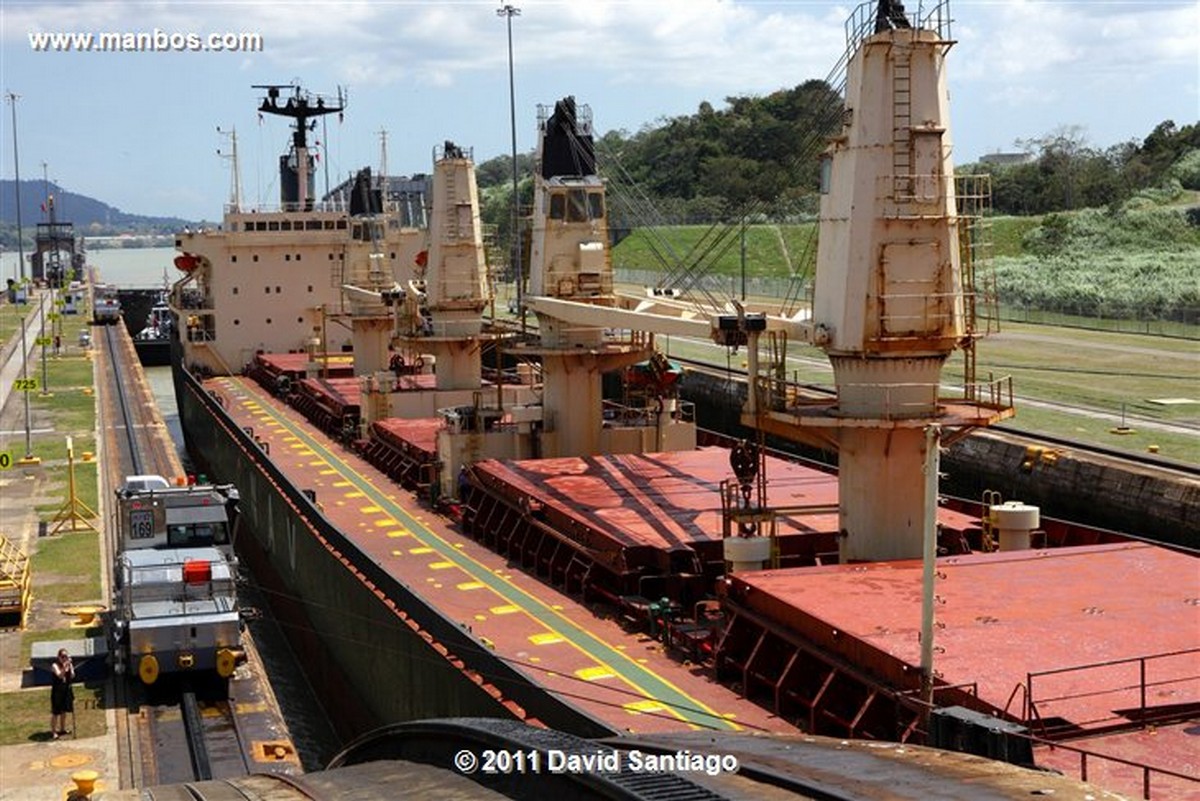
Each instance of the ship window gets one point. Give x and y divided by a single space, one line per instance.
237 321
393 255
297 257
300 319
233 259
310 287
287 256
260 226
268 321
273 225
255 257
267 289
341 225
356 233
331 257
596 205
235 290
286 225
329 225
312 225
277 290
577 207
557 206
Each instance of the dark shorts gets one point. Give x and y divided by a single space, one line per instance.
62 699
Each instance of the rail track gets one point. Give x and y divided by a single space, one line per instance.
177 732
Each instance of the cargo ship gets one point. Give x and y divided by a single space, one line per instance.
455 517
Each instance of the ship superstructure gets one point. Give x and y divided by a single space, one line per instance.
270 278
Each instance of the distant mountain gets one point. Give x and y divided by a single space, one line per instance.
83 211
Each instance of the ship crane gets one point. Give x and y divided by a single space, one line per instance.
895 293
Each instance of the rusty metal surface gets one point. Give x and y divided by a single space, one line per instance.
661 500
825 767
297 364
336 392
419 434
1004 616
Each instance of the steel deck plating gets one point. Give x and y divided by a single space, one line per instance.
621 679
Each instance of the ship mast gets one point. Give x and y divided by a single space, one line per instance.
296 168
235 175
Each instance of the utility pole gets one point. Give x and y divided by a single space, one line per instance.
29 457
508 12
12 99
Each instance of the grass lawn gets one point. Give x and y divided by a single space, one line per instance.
25 714
66 568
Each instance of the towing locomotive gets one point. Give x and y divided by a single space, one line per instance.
175 607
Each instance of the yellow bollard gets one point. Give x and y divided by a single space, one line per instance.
85 782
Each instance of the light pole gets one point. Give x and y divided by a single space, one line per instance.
508 12
29 457
12 99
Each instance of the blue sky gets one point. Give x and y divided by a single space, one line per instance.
138 130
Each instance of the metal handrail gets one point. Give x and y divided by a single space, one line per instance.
1031 703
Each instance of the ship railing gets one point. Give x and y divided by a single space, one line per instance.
894 401
860 25
619 415
1116 681
1087 760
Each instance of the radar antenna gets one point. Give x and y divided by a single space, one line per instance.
289 100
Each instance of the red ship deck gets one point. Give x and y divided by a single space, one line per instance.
660 500
295 365
623 679
1070 640
418 435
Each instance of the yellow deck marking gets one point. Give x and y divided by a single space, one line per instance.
299 446
306 452
397 553
400 533
638 707
546 638
370 510
355 494
584 645
387 521
317 463
329 472
507 609
595 673
291 439
441 565
420 550
341 484
472 585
